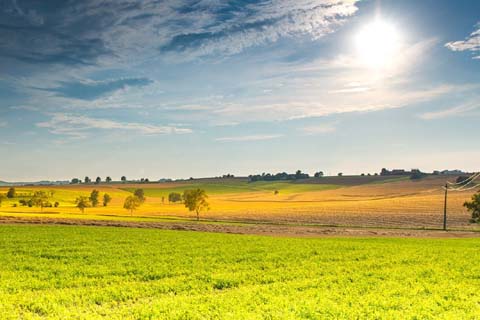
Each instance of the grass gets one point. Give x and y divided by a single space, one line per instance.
235 187
61 272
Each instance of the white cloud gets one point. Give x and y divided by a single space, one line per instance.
455 111
319 129
79 126
471 43
249 138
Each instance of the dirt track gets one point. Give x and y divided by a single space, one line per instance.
254 229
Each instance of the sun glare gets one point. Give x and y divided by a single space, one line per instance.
378 44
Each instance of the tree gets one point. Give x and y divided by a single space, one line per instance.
82 203
98 180
106 199
40 199
75 181
94 198
340 174
174 197
87 180
140 194
318 174
474 207
11 193
123 179
196 200
2 198
132 203
108 179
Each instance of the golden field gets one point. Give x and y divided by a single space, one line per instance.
343 201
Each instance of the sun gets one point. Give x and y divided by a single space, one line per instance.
378 44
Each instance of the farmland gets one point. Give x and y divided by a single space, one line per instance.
333 201
63 272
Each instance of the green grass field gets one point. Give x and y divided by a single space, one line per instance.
236 186
126 273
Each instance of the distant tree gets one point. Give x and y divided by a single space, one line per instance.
318 174
40 199
163 199
174 197
82 203
147 180
140 194
275 192
106 199
11 193
108 179
98 180
75 181
56 204
417 174
363 175
2 198
474 207
123 179
87 180
196 200
384 172
340 174
94 197
132 203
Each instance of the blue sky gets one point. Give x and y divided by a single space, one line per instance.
181 88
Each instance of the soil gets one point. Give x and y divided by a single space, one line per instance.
252 229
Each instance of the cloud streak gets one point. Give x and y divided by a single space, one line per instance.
80 126
471 43
451 112
249 138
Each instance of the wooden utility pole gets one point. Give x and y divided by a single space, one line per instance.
445 209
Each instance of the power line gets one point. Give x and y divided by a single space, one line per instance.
466 181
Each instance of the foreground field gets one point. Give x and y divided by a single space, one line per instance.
126 273
342 201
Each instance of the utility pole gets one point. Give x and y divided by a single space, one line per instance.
445 209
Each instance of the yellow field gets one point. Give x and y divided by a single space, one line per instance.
395 203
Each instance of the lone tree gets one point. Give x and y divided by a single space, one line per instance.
196 200
140 194
11 193
106 199
40 199
94 198
123 179
174 197
82 203
108 179
87 180
132 203
474 207
98 180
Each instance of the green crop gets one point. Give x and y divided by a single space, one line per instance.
64 272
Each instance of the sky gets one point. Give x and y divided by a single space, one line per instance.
184 88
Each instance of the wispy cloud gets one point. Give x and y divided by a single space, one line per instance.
471 43
249 138
90 90
3 124
80 126
319 129
122 31
451 112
